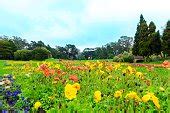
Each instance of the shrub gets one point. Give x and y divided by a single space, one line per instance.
125 57
128 57
153 58
23 55
41 53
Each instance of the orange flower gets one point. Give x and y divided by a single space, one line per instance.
56 78
52 71
73 78
46 72
43 67
166 64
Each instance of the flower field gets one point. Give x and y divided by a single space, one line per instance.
83 86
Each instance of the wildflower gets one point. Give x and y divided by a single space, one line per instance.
43 67
166 64
154 100
52 71
7 82
118 94
146 98
37 105
2 83
77 86
73 78
70 92
161 89
7 87
46 72
139 74
130 70
101 72
97 96
56 78
133 95
117 66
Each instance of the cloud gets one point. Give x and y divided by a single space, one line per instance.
123 10
72 20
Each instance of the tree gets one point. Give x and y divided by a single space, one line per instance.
41 53
61 53
7 49
154 40
35 44
155 43
20 43
23 54
166 39
141 40
125 43
88 53
72 51
52 50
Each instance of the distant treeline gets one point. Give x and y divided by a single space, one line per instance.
147 41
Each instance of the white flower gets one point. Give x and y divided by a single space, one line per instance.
7 87
2 83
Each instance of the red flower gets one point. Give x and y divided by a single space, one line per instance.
73 78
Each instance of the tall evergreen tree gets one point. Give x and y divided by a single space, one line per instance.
141 44
166 39
155 43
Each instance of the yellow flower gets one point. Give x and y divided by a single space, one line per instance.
97 96
70 92
77 86
139 74
118 94
130 70
133 95
146 98
101 72
37 105
154 100
117 66
87 63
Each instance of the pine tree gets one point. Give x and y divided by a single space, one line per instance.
154 40
137 38
166 39
155 43
141 44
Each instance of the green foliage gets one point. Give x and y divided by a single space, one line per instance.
166 39
154 58
23 55
147 40
40 53
7 49
125 57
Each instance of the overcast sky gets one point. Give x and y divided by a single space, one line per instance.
85 23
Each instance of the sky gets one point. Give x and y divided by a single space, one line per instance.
84 23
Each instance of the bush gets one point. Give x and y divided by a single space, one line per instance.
125 57
41 53
23 55
153 58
